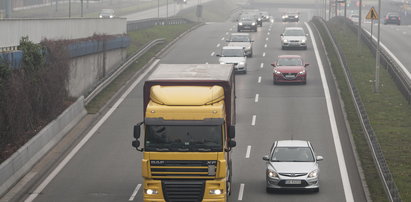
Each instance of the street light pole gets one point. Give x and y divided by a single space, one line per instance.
377 55
359 27
69 8
158 9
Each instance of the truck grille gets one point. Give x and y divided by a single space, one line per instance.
183 190
189 168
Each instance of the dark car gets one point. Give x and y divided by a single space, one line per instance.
291 17
392 18
247 24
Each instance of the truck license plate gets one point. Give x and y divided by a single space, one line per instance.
293 182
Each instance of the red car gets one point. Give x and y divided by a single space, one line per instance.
289 69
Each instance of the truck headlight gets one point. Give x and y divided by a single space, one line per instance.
240 23
216 191
272 174
151 191
222 63
313 174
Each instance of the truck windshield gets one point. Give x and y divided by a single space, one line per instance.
187 138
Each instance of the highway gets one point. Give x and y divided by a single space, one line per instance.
105 167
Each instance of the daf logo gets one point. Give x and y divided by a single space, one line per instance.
157 162
211 162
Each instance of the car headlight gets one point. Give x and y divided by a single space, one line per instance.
216 191
111 16
285 40
284 16
222 63
302 72
276 71
304 40
313 174
151 191
259 19
253 23
296 16
272 174
241 63
240 23
100 16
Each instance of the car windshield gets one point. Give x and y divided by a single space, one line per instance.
187 138
289 62
232 53
294 32
292 154
239 38
107 11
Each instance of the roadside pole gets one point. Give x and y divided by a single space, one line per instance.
359 27
377 57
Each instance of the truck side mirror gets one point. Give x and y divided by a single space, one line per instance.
232 143
231 132
136 131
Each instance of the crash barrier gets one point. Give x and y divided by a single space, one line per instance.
376 151
130 60
151 22
24 159
88 47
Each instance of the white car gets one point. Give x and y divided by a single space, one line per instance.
234 55
294 37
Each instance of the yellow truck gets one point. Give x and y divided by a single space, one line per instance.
189 131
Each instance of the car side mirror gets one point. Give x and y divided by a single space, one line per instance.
265 158
273 64
231 132
281 34
251 40
306 65
218 55
306 35
227 40
320 158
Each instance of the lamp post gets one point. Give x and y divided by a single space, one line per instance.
377 54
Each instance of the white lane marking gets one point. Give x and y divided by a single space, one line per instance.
134 193
259 79
18 187
253 121
73 152
266 39
269 29
256 97
247 155
268 33
265 45
241 192
212 54
207 63
264 54
226 33
336 137
407 72
218 45
261 65
222 39
231 29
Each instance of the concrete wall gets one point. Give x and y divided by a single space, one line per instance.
11 30
21 161
87 71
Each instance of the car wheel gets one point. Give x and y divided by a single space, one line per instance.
275 82
305 48
238 30
269 190
316 190
282 47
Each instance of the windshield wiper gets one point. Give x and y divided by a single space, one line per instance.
203 149
183 149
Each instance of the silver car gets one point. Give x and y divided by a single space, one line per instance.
292 164
294 37
243 40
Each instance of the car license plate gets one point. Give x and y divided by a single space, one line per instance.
293 182
289 76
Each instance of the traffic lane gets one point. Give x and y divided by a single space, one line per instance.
106 167
396 39
199 46
252 118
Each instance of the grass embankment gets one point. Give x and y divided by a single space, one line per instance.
138 40
214 11
388 112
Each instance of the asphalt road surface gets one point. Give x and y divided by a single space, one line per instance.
104 166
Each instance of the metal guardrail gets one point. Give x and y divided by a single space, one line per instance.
377 154
151 22
106 81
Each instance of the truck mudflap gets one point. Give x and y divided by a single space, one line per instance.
174 190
